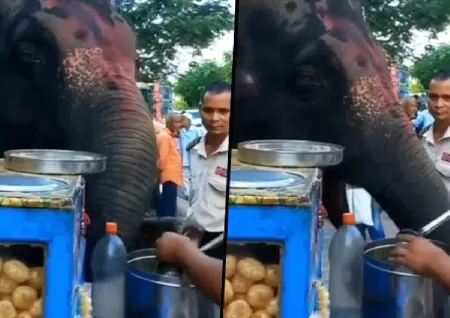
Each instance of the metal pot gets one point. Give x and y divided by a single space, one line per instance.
390 291
152 295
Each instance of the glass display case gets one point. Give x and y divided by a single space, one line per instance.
252 280
22 279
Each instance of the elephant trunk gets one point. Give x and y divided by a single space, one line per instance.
122 129
396 170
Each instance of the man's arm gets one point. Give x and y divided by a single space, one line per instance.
163 150
441 271
203 271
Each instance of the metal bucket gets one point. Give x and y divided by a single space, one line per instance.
392 292
151 295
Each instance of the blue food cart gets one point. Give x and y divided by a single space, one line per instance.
42 213
274 218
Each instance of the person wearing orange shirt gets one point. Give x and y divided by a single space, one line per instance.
170 166
157 125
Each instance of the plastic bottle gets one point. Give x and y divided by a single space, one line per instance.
108 270
346 256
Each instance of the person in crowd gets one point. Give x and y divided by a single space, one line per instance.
423 258
170 166
203 271
423 122
187 136
209 164
158 126
367 211
410 106
437 137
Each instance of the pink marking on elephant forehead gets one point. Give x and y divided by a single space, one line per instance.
112 57
51 3
372 98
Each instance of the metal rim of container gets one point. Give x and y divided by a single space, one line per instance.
17 160
333 147
158 282
368 258
93 155
136 272
336 152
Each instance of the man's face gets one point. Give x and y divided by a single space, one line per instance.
439 99
215 113
175 124
411 108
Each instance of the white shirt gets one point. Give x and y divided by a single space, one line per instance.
360 204
439 153
208 186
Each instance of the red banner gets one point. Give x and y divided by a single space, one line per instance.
157 100
395 81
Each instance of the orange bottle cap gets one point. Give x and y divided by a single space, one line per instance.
348 219
111 228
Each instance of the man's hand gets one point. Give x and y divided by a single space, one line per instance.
170 245
416 253
194 234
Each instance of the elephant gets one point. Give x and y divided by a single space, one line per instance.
68 81
311 70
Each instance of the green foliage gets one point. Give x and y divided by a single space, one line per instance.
191 86
164 26
180 104
416 88
430 63
393 22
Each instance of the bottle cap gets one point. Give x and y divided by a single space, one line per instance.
348 219
111 228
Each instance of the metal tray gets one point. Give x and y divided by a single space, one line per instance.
58 162
290 153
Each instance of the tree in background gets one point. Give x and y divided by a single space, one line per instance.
430 63
180 104
393 22
417 88
164 26
191 86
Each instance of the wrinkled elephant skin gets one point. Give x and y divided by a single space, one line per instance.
310 70
68 81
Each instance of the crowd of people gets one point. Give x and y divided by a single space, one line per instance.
194 167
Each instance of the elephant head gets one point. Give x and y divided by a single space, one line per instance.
311 70
67 73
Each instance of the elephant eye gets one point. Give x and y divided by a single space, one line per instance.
308 83
28 53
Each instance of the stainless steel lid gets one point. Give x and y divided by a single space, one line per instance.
21 184
290 153
263 179
49 161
